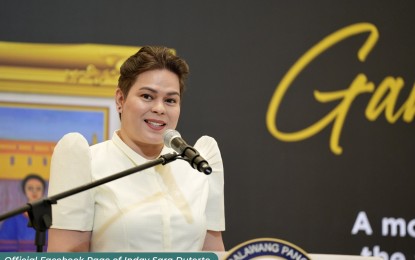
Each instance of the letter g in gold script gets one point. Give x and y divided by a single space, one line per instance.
338 115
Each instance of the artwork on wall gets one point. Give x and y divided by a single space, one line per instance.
30 131
47 91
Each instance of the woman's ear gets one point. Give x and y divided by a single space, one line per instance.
119 100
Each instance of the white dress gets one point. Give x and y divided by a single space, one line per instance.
165 208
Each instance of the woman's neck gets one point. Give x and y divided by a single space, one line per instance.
148 151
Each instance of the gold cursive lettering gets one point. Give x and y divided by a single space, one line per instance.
338 115
383 99
390 88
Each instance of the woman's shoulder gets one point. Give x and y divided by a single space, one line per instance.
102 145
208 148
206 143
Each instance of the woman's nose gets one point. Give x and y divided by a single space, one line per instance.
158 107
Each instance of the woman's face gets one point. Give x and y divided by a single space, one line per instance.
33 190
151 107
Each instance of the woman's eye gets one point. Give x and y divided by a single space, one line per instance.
34 189
147 96
171 101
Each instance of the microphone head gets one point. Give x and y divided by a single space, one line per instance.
169 135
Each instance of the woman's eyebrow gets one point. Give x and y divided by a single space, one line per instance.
149 89
172 93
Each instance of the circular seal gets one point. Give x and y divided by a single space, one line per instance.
266 248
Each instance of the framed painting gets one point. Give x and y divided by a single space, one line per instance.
29 133
46 91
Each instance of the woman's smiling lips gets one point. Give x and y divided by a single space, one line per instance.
155 124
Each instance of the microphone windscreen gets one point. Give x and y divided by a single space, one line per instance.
169 135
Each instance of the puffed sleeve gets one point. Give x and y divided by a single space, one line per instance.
215 208
71 168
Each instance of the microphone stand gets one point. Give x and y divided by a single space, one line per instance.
40 211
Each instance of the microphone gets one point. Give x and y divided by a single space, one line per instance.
173 139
